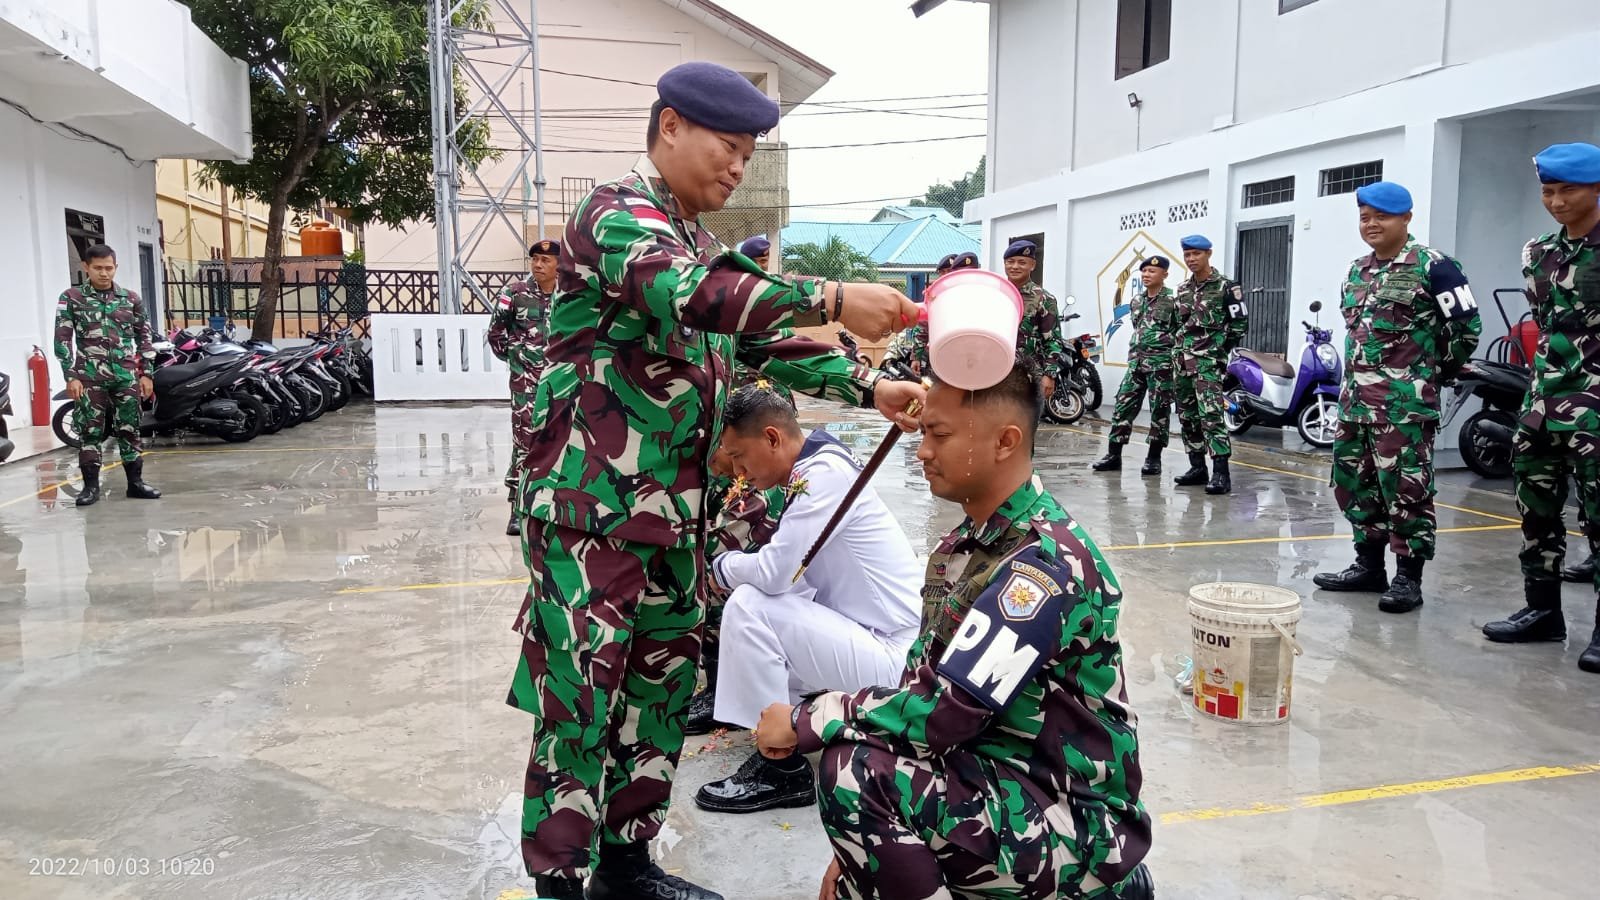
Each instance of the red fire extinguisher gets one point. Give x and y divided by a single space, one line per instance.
39 379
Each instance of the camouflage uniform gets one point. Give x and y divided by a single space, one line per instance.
1559 433
1039 337
1006 763
1212 321
1410 323
516 335
103 341
1155 324
910 349
649 316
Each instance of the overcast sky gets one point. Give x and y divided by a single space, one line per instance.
879 50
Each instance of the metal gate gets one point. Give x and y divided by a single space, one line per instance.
1264 250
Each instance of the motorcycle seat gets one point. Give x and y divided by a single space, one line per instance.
1272 365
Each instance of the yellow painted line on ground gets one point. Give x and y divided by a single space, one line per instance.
1174 545
1383 792
222 450
61 484
432 586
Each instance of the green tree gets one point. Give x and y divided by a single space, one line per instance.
835 260
341 111
954 196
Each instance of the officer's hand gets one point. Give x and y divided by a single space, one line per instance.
75 389
1048 385
874 311
830 880
775 736
900 402
147 388
917 368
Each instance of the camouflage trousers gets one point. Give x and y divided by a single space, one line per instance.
611 639
1145 377
1200 405
1383 480
521 434
107 410
1542 463
891 826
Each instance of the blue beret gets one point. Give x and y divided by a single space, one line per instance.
717 98
949 262
1195 242
1569 163
968 260
1160 262
1385 197
1022 248
756 246
545 248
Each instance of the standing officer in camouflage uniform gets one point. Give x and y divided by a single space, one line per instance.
1006 763
516 335
1039 336
103 345
1214 320
1559 435
1410 323
1155 326
649 316
759 249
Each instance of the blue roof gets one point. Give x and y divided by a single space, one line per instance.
889 213
915 244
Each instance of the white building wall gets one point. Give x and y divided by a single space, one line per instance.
1027 48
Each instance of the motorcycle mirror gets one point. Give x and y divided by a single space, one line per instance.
1316 306
1072 300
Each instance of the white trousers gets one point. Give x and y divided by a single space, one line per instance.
775 648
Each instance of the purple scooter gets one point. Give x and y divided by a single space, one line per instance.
1266 390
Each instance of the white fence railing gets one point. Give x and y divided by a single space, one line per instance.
435 357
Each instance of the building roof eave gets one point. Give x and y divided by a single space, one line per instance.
803 76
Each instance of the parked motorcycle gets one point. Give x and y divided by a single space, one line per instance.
7 447
1487 435
1081 368
1069 401
202 397
1265 390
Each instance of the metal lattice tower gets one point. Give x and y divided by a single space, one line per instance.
460 192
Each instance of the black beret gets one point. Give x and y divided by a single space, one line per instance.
949 262
545 248
968 260
717 98
1160 262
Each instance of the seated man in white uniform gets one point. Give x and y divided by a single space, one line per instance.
846 625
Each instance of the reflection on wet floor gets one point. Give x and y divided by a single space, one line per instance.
294 666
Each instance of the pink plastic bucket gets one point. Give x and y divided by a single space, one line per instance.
973 317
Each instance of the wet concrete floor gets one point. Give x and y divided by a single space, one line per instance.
286 680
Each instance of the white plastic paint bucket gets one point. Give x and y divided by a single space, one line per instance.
1244 650
973 317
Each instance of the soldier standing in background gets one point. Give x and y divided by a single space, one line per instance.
1559 434
1155 326
650 315
517 336
103 345
1410 324
759 249
1214 319
1039 337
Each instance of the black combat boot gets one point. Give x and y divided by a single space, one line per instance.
514 525
1589 660
554 887
1405 592
1111 462
1221 482
703 705
1138 886
1583 572
90 494
1196 474
1540 620
1152 462
1366 574
137 489
626 873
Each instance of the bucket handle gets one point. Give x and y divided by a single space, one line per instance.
1298 650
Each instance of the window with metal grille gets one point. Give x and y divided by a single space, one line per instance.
573 190
1144 34
1266 193
1292 5
1346 179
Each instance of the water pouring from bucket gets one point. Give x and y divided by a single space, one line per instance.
972 317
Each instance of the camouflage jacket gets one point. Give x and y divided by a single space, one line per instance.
1155 327
102 337
1410 323
1039 338
1212 319
517 333
741 518
649 316
910 348
1564 292
1016 681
